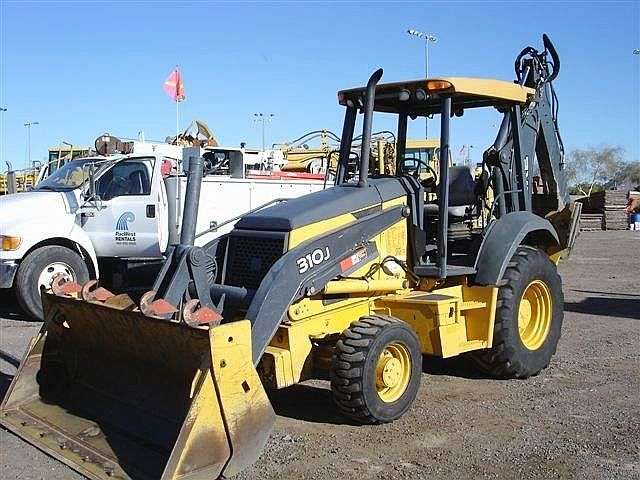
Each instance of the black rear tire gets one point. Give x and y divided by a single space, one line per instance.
354 369
26 284
509 357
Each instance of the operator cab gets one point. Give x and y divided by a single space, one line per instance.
440 245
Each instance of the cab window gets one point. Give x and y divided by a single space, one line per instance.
131 177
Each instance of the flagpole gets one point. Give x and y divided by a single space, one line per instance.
177 108
174 89
179 162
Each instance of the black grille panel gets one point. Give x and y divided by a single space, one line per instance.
251 255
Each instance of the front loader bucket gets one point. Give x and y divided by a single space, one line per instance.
116 394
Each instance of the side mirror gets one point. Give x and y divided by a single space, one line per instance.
91 193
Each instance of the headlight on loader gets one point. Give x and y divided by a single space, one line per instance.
9 243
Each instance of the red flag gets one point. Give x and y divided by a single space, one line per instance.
174 87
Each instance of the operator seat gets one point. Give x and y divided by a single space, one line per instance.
462 194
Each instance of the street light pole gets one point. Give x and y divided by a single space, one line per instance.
263 118
28 125
468 159
427 37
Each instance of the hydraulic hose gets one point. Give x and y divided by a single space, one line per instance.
554 57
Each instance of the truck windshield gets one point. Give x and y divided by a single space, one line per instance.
69 177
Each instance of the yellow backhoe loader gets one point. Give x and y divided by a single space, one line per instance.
361 279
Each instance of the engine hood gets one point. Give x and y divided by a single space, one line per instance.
318 206
29 206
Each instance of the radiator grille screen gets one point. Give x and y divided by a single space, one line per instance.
250 257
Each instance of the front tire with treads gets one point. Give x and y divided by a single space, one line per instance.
375 369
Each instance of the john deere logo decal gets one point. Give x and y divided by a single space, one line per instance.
123 235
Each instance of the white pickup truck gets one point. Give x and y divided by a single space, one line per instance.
106 217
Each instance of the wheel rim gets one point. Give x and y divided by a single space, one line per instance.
393 372
534 314
50 271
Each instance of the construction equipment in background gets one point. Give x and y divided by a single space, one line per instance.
58 155
300 155
356 282
15 181
425 150
197 134
296 157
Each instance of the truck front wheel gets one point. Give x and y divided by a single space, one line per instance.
38 269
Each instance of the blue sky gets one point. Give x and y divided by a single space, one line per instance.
84 68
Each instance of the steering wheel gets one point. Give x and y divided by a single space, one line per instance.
416 172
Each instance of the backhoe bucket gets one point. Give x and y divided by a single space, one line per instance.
116 394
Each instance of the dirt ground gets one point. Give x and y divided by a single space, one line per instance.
580 418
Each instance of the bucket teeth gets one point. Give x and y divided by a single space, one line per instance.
195 315
62 287
91 292
159 308
120 302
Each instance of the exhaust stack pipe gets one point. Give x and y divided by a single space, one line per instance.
191 201
367 125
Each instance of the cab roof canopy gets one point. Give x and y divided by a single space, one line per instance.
422 97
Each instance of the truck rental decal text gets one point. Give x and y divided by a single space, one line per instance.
122 234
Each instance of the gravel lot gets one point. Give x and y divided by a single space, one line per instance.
580 418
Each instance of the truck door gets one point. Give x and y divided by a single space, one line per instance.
126 225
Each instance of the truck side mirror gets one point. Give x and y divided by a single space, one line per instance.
91 193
